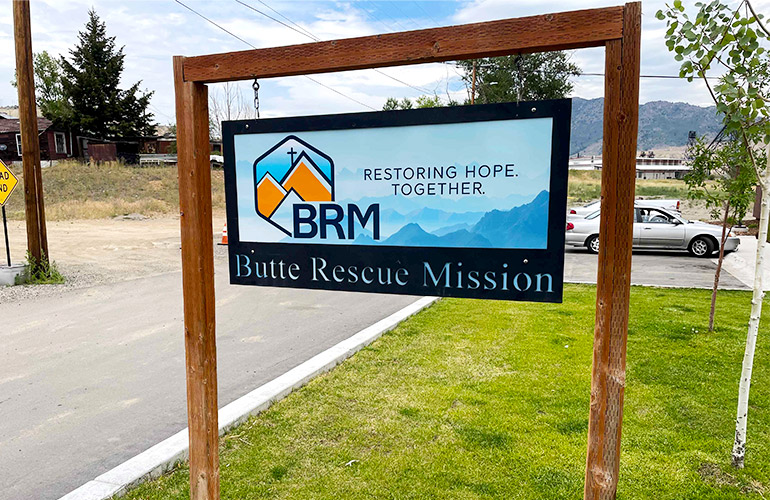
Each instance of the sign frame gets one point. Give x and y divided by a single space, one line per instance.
530 262
617 29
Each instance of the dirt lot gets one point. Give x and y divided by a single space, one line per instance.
103 250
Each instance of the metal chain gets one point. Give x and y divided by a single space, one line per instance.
521 80
255 86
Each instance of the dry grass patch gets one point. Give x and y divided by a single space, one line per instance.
585 185
75 190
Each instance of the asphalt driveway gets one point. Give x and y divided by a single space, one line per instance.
670 269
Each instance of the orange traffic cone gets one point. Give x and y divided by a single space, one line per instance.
224 235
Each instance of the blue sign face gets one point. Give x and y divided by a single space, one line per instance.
462 184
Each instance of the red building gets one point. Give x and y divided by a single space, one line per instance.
55 143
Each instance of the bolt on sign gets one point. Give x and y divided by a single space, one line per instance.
8 182
466 201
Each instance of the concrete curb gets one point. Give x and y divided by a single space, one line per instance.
164 455
721 287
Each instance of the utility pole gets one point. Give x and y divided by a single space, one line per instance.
37 239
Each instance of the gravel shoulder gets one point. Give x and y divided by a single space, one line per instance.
95 252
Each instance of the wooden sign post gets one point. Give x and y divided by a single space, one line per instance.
618 29
37 239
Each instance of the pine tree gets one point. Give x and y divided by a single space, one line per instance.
91 77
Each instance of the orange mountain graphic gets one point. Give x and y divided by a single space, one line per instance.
270 194
304 178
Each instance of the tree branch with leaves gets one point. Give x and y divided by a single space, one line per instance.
732 42
723 178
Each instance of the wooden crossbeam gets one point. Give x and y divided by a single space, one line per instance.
565 30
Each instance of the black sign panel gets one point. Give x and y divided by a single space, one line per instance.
465 201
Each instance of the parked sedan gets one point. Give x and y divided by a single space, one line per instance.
655 228
589 208
581 212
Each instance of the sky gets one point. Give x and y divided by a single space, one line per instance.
154 31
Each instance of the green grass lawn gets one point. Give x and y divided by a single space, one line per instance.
486 399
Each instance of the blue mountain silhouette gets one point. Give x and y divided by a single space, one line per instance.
465 217
391 216
436 216
474 204
520 227
413 234
365 239
451 229
524 226
428 215
464 238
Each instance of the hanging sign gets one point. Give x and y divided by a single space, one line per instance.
8 183
466 201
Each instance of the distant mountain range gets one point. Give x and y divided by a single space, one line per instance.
410 206
661 124
519 227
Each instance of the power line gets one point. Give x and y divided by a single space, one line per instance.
292 22
375 18
304 32
212 22
673 77
371 15
315 38
386 13
254 47
426 13
338 92
403 14
158 111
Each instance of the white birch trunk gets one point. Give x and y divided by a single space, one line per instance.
739 446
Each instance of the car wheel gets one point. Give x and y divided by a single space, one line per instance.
592 244
701 247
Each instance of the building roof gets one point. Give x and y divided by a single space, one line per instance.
664 168
12 125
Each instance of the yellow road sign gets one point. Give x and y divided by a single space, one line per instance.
8 181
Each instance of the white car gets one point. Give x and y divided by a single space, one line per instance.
670 205
582 212
655 228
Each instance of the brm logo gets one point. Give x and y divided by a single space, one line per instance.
294 191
